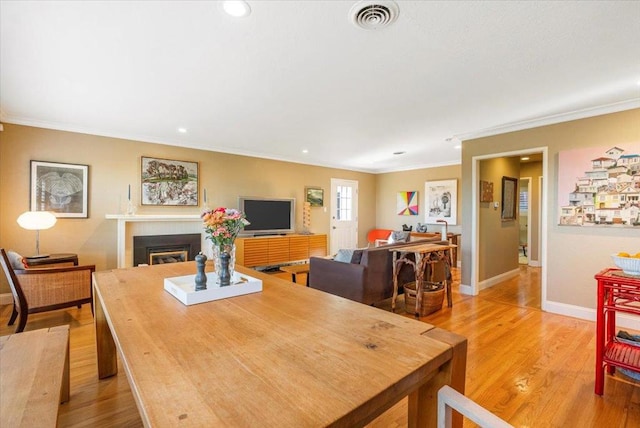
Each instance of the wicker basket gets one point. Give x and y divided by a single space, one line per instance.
432 297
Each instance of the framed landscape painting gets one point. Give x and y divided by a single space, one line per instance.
61 188
315 196
441 199
169 182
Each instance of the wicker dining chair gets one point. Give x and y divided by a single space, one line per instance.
45 289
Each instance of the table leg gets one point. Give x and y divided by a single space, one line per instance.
419 279
395 281
447 281
423 403
105 346
599 384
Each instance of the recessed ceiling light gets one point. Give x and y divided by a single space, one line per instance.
182 130
305 151
524 158
236 8
457 147
399 153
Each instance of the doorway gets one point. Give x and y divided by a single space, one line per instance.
344 215
524 219
475 284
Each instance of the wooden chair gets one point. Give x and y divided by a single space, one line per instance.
46 289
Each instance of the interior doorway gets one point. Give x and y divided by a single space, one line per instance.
524 215
475 283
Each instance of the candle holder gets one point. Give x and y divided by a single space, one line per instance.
131 208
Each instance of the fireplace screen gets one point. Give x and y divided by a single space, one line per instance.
158 249
168 257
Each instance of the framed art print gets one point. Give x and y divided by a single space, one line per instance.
509 198
169 182
61 188
441 201
315 196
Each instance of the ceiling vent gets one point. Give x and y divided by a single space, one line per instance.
374 14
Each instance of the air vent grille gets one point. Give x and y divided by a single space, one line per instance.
374 15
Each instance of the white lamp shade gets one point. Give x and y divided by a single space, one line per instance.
37 220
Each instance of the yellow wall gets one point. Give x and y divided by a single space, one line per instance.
115 163
389 184
574 254
498 240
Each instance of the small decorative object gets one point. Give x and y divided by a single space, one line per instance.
60 188
486 191
407 203
315 196
169 182
222 226
421 228
131 207
201 277
306 218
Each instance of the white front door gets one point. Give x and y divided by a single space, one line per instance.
344 215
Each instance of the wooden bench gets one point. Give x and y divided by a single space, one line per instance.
34 377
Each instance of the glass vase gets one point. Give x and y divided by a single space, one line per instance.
217 261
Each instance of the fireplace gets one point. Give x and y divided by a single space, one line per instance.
157 249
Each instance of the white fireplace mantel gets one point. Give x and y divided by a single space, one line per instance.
150 224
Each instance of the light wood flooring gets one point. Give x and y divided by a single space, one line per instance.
532 368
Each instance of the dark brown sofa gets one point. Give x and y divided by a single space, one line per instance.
369 281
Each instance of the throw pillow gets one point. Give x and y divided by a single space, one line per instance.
344 256
16 260
357 256
399 236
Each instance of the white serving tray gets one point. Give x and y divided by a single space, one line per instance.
183 288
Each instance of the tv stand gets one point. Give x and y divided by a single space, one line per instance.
278 250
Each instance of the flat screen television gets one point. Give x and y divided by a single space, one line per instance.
268 216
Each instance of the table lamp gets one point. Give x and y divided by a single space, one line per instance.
37 220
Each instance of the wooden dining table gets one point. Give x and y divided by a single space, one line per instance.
287 356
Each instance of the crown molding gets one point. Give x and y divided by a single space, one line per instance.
552 119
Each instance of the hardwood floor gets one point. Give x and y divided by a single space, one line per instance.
531 368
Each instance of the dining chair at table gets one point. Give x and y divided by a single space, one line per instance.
44 289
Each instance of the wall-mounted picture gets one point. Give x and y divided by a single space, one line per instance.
61 188
599 186
407 203
315 196
441 199
509 198
486 191
169 182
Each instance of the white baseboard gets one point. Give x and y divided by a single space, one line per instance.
466 289
498 279
6 299
589 314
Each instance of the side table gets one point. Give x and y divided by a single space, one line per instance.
295 270
60 259
617 292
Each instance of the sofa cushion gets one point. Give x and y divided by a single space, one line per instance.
357 255
344 256
17 261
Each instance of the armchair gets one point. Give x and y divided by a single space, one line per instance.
45 289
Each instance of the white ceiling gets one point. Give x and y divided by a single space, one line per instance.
299 75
